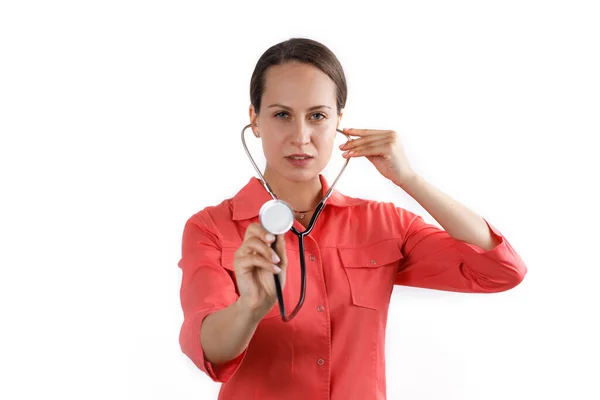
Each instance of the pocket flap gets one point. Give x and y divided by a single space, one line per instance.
375 255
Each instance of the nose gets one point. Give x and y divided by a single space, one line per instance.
301 134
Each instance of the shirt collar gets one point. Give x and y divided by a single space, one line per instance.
248 201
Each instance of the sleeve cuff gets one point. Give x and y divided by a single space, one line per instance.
497 269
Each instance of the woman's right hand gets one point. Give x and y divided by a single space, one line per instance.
254 267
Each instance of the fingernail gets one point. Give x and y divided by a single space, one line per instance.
342 146
276 269
276 258
270 237
345 154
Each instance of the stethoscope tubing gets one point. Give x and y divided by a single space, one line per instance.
299 234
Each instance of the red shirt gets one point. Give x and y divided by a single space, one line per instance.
358 250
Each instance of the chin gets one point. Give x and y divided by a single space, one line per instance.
299 174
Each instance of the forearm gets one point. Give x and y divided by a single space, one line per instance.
460 222
226 333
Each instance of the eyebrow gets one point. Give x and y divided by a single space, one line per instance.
289 108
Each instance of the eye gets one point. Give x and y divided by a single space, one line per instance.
321 115
278 115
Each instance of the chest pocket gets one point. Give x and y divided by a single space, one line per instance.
227 259
371 272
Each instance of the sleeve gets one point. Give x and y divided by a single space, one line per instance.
206 287
435 260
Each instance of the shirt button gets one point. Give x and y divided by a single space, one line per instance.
373 262
312 258
321 361
320 308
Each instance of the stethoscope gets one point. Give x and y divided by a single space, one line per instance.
277 217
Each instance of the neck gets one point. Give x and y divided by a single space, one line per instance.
301 196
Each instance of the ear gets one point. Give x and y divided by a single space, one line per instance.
253 119
339 118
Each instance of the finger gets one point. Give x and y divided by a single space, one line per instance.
363 132
255 245
362 141
373 148
252 261
256 229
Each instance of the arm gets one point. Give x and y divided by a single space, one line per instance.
468 255
460 222
210 305
239 325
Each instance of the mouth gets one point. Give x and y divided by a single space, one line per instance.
299 160
299 157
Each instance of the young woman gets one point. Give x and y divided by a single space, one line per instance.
357 251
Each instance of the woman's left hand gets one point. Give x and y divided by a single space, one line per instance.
383 149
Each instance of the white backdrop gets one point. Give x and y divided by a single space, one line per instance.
120 119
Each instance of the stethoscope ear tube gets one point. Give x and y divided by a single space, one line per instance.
262 178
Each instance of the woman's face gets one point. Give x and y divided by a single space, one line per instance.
297 121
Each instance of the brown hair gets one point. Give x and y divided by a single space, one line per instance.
301 50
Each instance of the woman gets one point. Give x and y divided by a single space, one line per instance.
334 347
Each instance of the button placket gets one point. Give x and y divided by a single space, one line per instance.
320 308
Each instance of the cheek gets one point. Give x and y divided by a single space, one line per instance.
324 145
272 147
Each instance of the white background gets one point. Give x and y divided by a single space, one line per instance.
120 119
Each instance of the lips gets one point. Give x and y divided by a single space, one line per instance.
299 156
299 160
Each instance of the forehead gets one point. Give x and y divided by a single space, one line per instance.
298 85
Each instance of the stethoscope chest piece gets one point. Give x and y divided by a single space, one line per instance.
276 216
